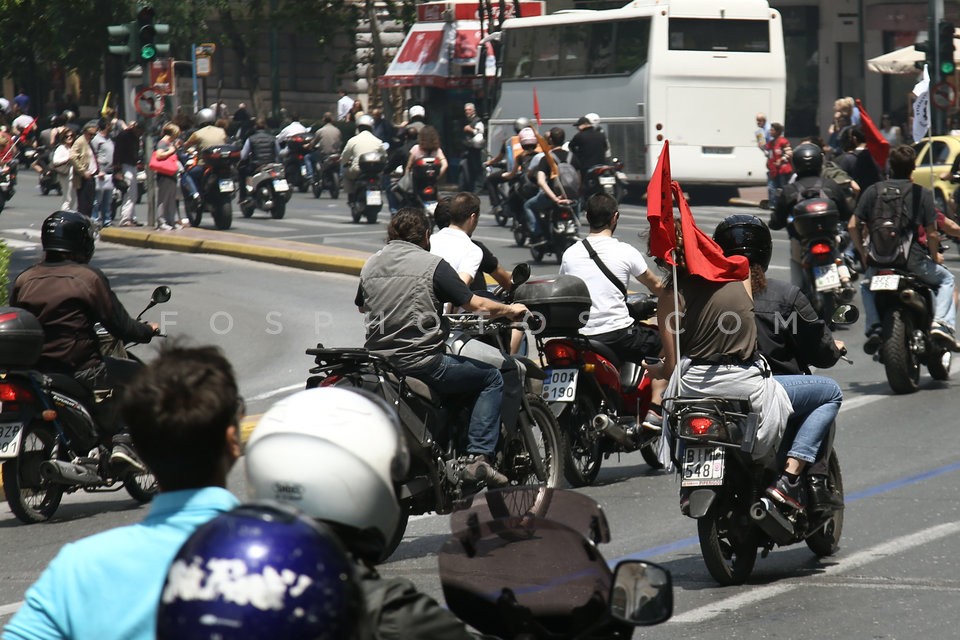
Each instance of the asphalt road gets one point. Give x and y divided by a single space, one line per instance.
895 575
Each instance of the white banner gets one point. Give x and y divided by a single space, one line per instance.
921 107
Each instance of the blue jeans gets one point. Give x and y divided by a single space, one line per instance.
934 275
103 201
191 179
773 185
455 375
531 208
816 402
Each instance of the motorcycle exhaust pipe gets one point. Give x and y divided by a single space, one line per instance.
612 429
766 515
913 300
60 472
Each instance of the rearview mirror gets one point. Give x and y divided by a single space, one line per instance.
521 273
160 295
845 314
642 593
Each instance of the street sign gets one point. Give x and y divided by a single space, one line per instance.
148 103
203 65
206 49
203 53
943 94
161 76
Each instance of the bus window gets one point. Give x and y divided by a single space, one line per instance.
546 54
702 34
633 44
576 44
601 54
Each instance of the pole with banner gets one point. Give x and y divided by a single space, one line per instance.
193 73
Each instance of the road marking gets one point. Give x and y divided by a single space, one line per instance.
857 560
276 392
859 400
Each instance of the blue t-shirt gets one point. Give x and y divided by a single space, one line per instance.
108 585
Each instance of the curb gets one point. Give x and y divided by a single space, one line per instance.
741 202
300 255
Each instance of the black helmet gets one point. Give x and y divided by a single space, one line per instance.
68 232
807 159
745 235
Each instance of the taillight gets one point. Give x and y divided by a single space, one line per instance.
560 353
428 191
564 215
13 393
820 249
330 381
699 425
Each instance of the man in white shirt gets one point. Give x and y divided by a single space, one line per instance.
610 321
344 105
453 243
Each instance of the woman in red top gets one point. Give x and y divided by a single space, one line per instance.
779 167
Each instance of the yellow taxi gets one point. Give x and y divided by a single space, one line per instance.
933 162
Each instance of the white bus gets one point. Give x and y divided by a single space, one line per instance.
694 72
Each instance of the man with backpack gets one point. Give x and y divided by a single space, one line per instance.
560 189
893 211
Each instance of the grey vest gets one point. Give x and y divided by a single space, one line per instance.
403 318
263 149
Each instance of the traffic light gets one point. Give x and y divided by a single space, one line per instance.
945 50
146 33
126 34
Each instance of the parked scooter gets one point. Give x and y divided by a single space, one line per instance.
50 442
366 201
326 176
217 185
266 190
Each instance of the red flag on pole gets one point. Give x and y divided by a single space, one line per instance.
877 145
28 128
536 107
701 255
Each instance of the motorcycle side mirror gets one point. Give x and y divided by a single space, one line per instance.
520 274
642 593
160 295
845 314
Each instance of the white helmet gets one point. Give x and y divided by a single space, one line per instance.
417 111
334 453
365 122
592 118
205 116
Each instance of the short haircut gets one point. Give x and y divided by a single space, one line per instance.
441 214
903 160
410 225
776 126
462 206
178 409
600 211
556 136
327 117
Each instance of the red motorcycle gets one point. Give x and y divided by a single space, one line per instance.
598 398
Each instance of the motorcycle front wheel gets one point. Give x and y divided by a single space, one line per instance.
901 364
141 486
31 498
582 455
726 542
535 455
826 540
193 210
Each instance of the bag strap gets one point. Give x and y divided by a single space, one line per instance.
603 268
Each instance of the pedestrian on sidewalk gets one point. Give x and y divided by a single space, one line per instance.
126 152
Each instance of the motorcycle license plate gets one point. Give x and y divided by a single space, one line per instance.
605 180
303 170
826 277
885 283
430 207
280 185
560 385
373 197
702 466
10 435
226 186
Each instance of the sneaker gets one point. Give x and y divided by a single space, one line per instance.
653 422
163 226
787 493
874 340
123 459
942 334
185 222
821 498
480 470
127 223
107 223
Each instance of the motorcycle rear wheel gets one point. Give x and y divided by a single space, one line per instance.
32 499
222 215
729 553
193 210
317 188
826 540
141 486
501 217
247 208
901 364
582 455
520 455
371 215
279 210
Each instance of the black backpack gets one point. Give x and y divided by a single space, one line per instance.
889 228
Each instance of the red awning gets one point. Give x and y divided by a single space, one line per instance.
438 54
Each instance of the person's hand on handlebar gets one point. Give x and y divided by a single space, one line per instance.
517 311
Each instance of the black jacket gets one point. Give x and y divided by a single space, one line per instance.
789 333
793 192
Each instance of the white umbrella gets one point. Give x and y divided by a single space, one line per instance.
902 60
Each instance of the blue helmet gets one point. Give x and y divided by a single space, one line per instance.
263 570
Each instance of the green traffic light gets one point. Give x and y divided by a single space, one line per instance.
148 52
947 68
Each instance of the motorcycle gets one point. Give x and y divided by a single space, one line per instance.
827 276
422 194
494 579
48 180
267 190
605 178
295 162
217 185
8 181
498 192
560 232
50 442
326 176
598 398
367 199
906 305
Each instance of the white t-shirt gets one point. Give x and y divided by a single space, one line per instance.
608 310
344 104
456 247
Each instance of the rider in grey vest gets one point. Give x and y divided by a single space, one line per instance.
261 148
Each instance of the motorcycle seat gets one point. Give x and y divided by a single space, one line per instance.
68 385
418 387
605 351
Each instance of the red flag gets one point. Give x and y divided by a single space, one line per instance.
877 145
28 128
536 107
663 235
701 255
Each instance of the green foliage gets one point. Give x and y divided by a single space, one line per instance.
4 273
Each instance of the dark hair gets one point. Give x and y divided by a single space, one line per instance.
903 159
441 214
758 279
260 123
556 136
327 118
410 225
776 126
462 206
178 409
600 211
428 138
